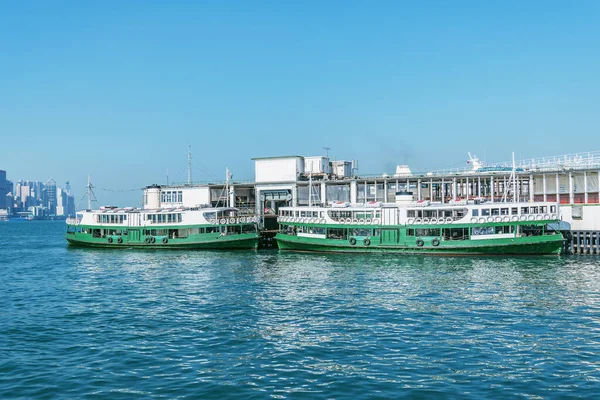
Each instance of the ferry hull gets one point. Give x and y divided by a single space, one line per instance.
521 246
234 242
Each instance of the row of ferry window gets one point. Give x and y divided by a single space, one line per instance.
171 233
111 218
361 214
454 213
303 214
171 196
514 210
164 218
446 233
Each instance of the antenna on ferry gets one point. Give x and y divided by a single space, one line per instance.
228 176
326 150
90 193
189 164
514 177
310 190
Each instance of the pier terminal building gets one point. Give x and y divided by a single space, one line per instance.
571 180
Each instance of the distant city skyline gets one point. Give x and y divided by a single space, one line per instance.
36 198
117 90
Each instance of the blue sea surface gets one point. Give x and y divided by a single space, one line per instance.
85 323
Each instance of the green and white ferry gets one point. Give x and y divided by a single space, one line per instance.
420 227
164 225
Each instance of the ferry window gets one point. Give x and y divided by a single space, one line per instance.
495 211
455 233
460 213
428 232
303 213
485 212
504 229
376 232
212 229
524 210
336 233
514 210
531 230
484 230
318 231
430 214
360 232
297 214
410 232
410 213
504 211
322 214
180 197
543 209
552 209
179 218
447 213
533 210
248 228
475 212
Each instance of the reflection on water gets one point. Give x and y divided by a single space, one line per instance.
258 324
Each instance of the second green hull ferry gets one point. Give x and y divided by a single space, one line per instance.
460 228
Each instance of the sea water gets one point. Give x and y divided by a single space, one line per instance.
88 323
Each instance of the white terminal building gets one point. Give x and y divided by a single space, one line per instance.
571 180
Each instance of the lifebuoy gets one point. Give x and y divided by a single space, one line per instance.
435 242
481 220
474 219
498 219
119 240
352 241
546 216
490 219
109 239
420 242
523 217
514 218
222 221
418 221
165 240
410 221
375 221
362 221
366 242
538 217
448 219
152 239
148 240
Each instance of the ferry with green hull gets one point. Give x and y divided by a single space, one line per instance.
420 227
164 228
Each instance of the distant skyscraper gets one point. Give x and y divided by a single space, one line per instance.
50 196
3 189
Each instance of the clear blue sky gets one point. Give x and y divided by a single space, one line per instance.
117 89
